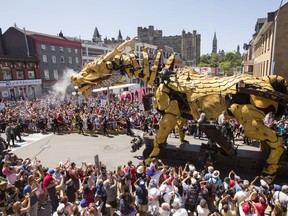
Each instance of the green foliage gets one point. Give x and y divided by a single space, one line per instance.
228 63
225 66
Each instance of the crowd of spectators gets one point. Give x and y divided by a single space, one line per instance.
26 186
156 189
60 115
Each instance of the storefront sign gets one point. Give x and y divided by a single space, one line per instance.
11 83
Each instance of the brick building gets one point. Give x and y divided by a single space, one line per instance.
19 73
53 56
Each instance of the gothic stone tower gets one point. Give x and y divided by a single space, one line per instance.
214 44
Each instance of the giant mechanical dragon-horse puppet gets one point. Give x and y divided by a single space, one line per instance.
182 92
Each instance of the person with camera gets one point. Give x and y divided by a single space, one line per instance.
127 203
101 195
3 201
142 196
22 207
248 208
10 172
110 185
227 206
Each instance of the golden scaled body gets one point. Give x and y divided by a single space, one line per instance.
183 92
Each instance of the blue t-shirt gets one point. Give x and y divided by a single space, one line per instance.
142 195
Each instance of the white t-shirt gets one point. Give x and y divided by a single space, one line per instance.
202 211
157 175
241 196
180 212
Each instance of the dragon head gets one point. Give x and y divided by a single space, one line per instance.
101 72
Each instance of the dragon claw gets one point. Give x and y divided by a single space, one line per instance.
154 153
270 170
184 141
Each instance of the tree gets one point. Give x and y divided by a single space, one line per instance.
225 66
229 63
215 60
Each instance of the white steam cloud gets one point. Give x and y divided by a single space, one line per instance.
59 89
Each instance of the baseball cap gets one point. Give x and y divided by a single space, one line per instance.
232 183
142 183
27 189
246 208
83 203
284 189
51 171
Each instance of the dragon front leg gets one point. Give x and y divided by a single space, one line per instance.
168 122
166 125
252 120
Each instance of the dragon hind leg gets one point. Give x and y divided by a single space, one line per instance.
252 120
179 127
276 150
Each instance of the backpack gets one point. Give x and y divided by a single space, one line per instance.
125 208
216 184
192 195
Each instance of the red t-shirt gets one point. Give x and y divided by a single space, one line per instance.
60 119
133 172
47 180
261 208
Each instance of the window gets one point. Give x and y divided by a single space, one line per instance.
46 74
269 36
7 75
31 74
54 59
43 47
70 60
61 49
76 51
44 57
77 60
56 76
69 50
19 74
62 59
53 48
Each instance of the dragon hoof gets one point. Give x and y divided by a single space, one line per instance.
184 141
155 152
147 161
270 170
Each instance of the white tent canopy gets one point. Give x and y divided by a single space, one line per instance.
113 87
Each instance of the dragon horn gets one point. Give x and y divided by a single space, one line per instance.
119 48
170 62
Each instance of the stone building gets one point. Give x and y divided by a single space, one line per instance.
115 41
267 51
187 44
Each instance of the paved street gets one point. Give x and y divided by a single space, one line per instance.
50 149
114 150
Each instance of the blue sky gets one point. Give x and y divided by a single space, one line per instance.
233 21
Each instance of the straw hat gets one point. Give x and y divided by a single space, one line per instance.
140 169
216 174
